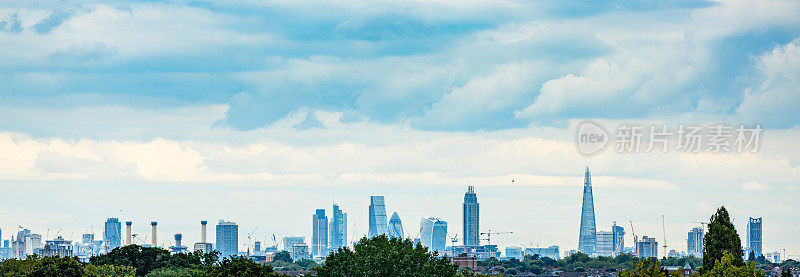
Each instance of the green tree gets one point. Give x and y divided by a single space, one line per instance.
726 267
282 256
177 272
42 266
91 270
381 256
644 268
751 257
240 266
721 237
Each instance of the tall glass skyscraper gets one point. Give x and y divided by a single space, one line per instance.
619 238
395 226
695 242
112 234
433 234
754 237
587 241
319 236
377 216
338 229
471 218
227 238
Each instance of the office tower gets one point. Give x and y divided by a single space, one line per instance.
377 216
319 236
227 238
32 243
395 226
433 234
112 234
471 218
178 247
257 246
154 233
619 239
648 247
550 252
605 244
694 242
87 238
338 229
588 234
754 237
203 245
288 242
300 251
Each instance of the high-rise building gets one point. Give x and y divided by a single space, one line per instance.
319 236
605 244
338 229
754 237
433 234
300 251
471 218
695 242
619 239
178 247
112 234
288 242
648 247
227 238
587 241
377 216
395 226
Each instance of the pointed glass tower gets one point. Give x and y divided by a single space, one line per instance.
588 236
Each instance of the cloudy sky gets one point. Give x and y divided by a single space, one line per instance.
262 111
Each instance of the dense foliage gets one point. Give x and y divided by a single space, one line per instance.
381 256
721 237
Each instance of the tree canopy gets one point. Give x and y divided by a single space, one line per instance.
381 256
721 237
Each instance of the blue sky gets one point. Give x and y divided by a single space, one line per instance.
245 97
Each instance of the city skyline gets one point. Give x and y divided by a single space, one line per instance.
433 232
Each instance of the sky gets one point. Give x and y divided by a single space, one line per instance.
260 112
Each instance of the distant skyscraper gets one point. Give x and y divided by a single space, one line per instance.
319 236
619 239
754 237
695 242
605 244
433 234
288 242
227 238
648 247
338 229
471 218
112 234
377 216
587 241
395 226
300 251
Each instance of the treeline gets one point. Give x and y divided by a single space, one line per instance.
134 260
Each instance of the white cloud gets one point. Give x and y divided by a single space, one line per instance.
754 186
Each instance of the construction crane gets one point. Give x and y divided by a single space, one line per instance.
664 230
453 241
250 240
635 243
489 234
